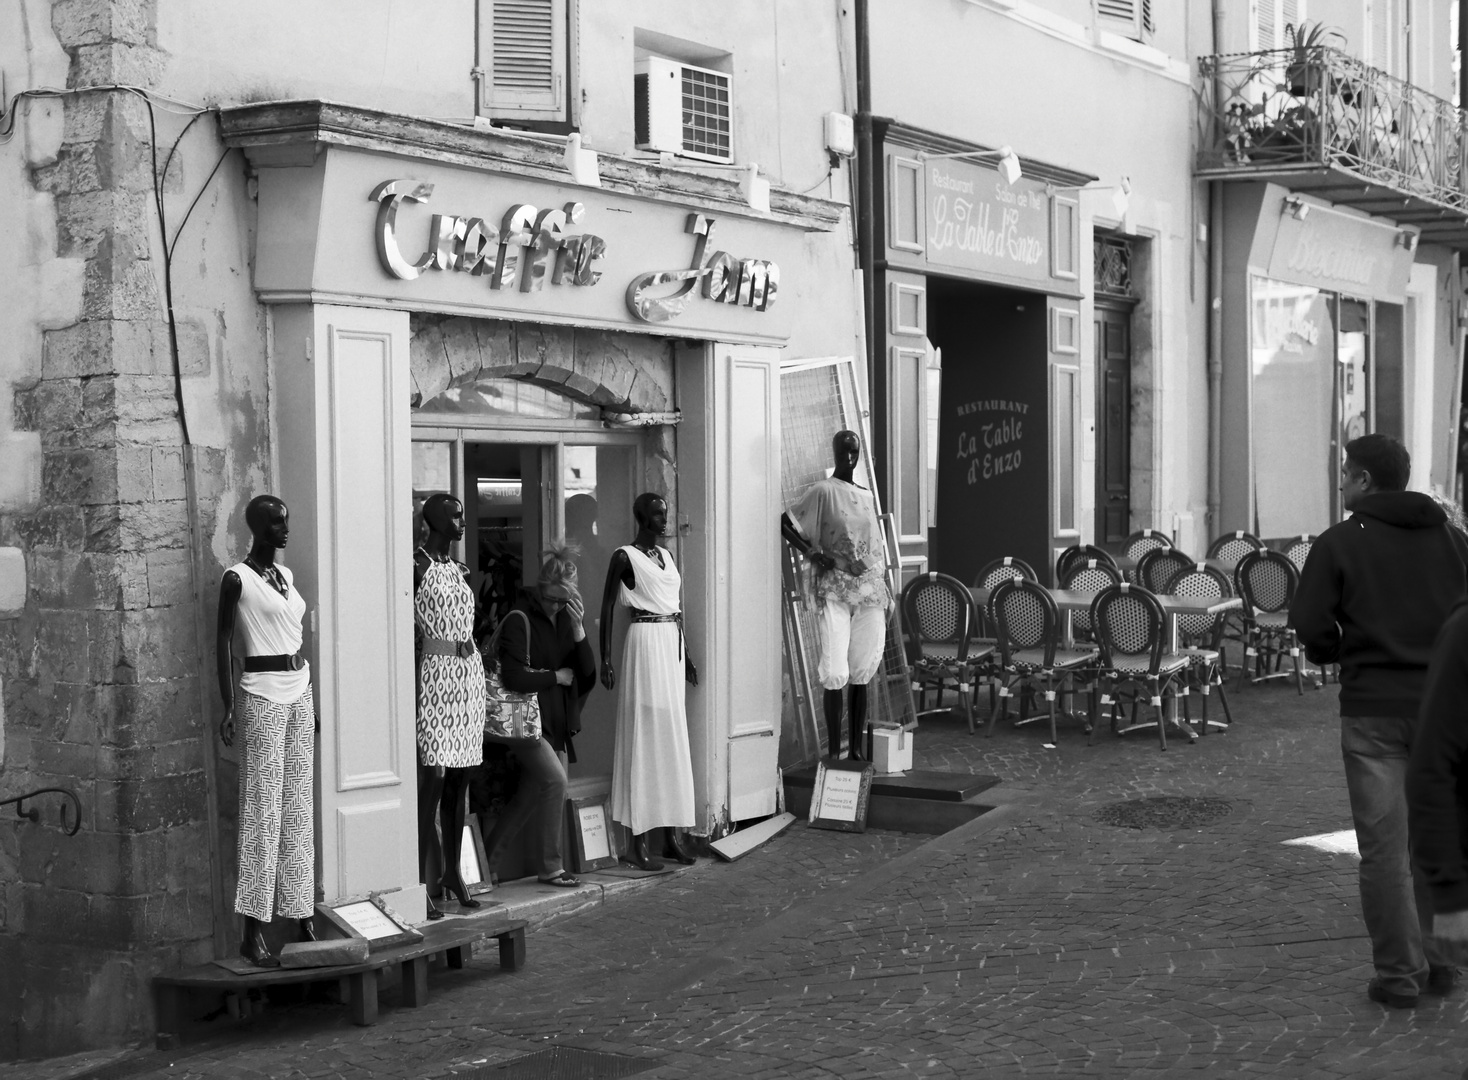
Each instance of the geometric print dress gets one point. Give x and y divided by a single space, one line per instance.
450 688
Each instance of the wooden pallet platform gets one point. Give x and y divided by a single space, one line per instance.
453 938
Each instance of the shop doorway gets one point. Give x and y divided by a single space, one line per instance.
993 496
1113 425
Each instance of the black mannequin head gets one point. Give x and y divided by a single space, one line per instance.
444 514
651 513
846 452
268 521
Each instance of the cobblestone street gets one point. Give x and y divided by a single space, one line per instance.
1033 941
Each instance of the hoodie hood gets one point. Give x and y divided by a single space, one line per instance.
1404 509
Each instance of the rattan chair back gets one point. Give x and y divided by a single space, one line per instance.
1231 547
1092 575
1142 541
1200 581
1159 566
1026 618
1129 625
1003 570
1298 549
1266 581
1082 553
936 610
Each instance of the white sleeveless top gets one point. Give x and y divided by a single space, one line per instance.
269 624
659 588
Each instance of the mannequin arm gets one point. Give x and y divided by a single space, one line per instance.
796 539
619 572
230 588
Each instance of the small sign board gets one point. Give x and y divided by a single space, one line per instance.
591 834
841 794
371 918
473 862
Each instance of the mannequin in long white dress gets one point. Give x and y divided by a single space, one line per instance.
652 772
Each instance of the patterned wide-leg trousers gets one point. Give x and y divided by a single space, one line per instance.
277 846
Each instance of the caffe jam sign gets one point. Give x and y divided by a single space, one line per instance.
531 246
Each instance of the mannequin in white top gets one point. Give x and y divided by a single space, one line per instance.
277 691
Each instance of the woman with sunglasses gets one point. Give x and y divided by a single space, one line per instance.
554 660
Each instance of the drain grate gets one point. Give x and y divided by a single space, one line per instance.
1165 812
561 1063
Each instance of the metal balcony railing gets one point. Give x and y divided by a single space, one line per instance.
1271 112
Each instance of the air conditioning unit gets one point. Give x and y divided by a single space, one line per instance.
682 109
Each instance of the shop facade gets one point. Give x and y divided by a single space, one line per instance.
545 352
978 384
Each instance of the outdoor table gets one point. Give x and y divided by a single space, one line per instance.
1069 601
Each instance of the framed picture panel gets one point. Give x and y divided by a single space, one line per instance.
840 796
591 834
370 918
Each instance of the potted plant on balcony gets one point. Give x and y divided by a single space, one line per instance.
1308 42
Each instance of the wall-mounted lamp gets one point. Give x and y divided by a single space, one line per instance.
1408 239
1298 208
756 189
1005 160
1121 194
581 164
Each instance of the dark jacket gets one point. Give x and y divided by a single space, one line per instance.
1373 595
1437 778
551 647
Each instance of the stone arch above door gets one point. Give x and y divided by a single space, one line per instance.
626 373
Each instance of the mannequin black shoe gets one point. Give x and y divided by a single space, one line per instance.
676 845
455 885
254 949
640 857
308 929
433 912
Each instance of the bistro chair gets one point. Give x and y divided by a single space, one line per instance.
1159 566
1297 550
1131 628
1266 582
938 636
1030 652
992 574
1200 637
1139 543
1081 553
1229 548
1089 576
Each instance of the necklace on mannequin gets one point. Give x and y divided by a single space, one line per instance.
271 574
652 551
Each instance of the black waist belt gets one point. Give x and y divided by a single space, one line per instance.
433 646
283 662
638 615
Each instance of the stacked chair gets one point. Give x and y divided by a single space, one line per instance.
1088 575
1140 543
1226 551
1201 636
1130 629
938 627
1030 652
1159 566
1081 553
1266 581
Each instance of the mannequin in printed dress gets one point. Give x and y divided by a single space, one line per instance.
652 772
450 728
834 525
277 717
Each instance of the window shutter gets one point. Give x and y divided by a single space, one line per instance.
1132 18
523 50
1266 26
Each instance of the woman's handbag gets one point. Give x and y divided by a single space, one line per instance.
507 714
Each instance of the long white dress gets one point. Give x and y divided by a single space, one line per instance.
652 773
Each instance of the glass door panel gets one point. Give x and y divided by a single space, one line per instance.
433 472
597 489
503 519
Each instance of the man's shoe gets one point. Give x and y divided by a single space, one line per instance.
1390 998
1441 978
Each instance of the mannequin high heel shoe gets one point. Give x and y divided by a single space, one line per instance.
677 847
456 886
254 949
308 929
640 857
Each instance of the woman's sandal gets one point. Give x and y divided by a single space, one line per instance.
562 880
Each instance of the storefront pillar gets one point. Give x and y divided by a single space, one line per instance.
340 399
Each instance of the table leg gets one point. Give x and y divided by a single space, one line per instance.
512 950
364 997
415 982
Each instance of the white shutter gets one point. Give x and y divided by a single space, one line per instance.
522 48
1132 18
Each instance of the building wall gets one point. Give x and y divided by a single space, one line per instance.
107 604
1045 79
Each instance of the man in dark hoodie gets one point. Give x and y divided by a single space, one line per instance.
1373 595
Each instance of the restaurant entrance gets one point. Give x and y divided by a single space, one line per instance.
993 495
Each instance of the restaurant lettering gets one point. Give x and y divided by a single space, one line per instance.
990 448
529 244
975 221
719 277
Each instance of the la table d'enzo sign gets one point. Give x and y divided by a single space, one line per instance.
532 244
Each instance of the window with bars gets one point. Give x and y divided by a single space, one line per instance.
525 62
1132 18
1113 266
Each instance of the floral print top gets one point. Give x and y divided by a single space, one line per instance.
840 520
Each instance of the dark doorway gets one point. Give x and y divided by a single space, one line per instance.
1113 425
993 461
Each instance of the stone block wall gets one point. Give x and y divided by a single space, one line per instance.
99 650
